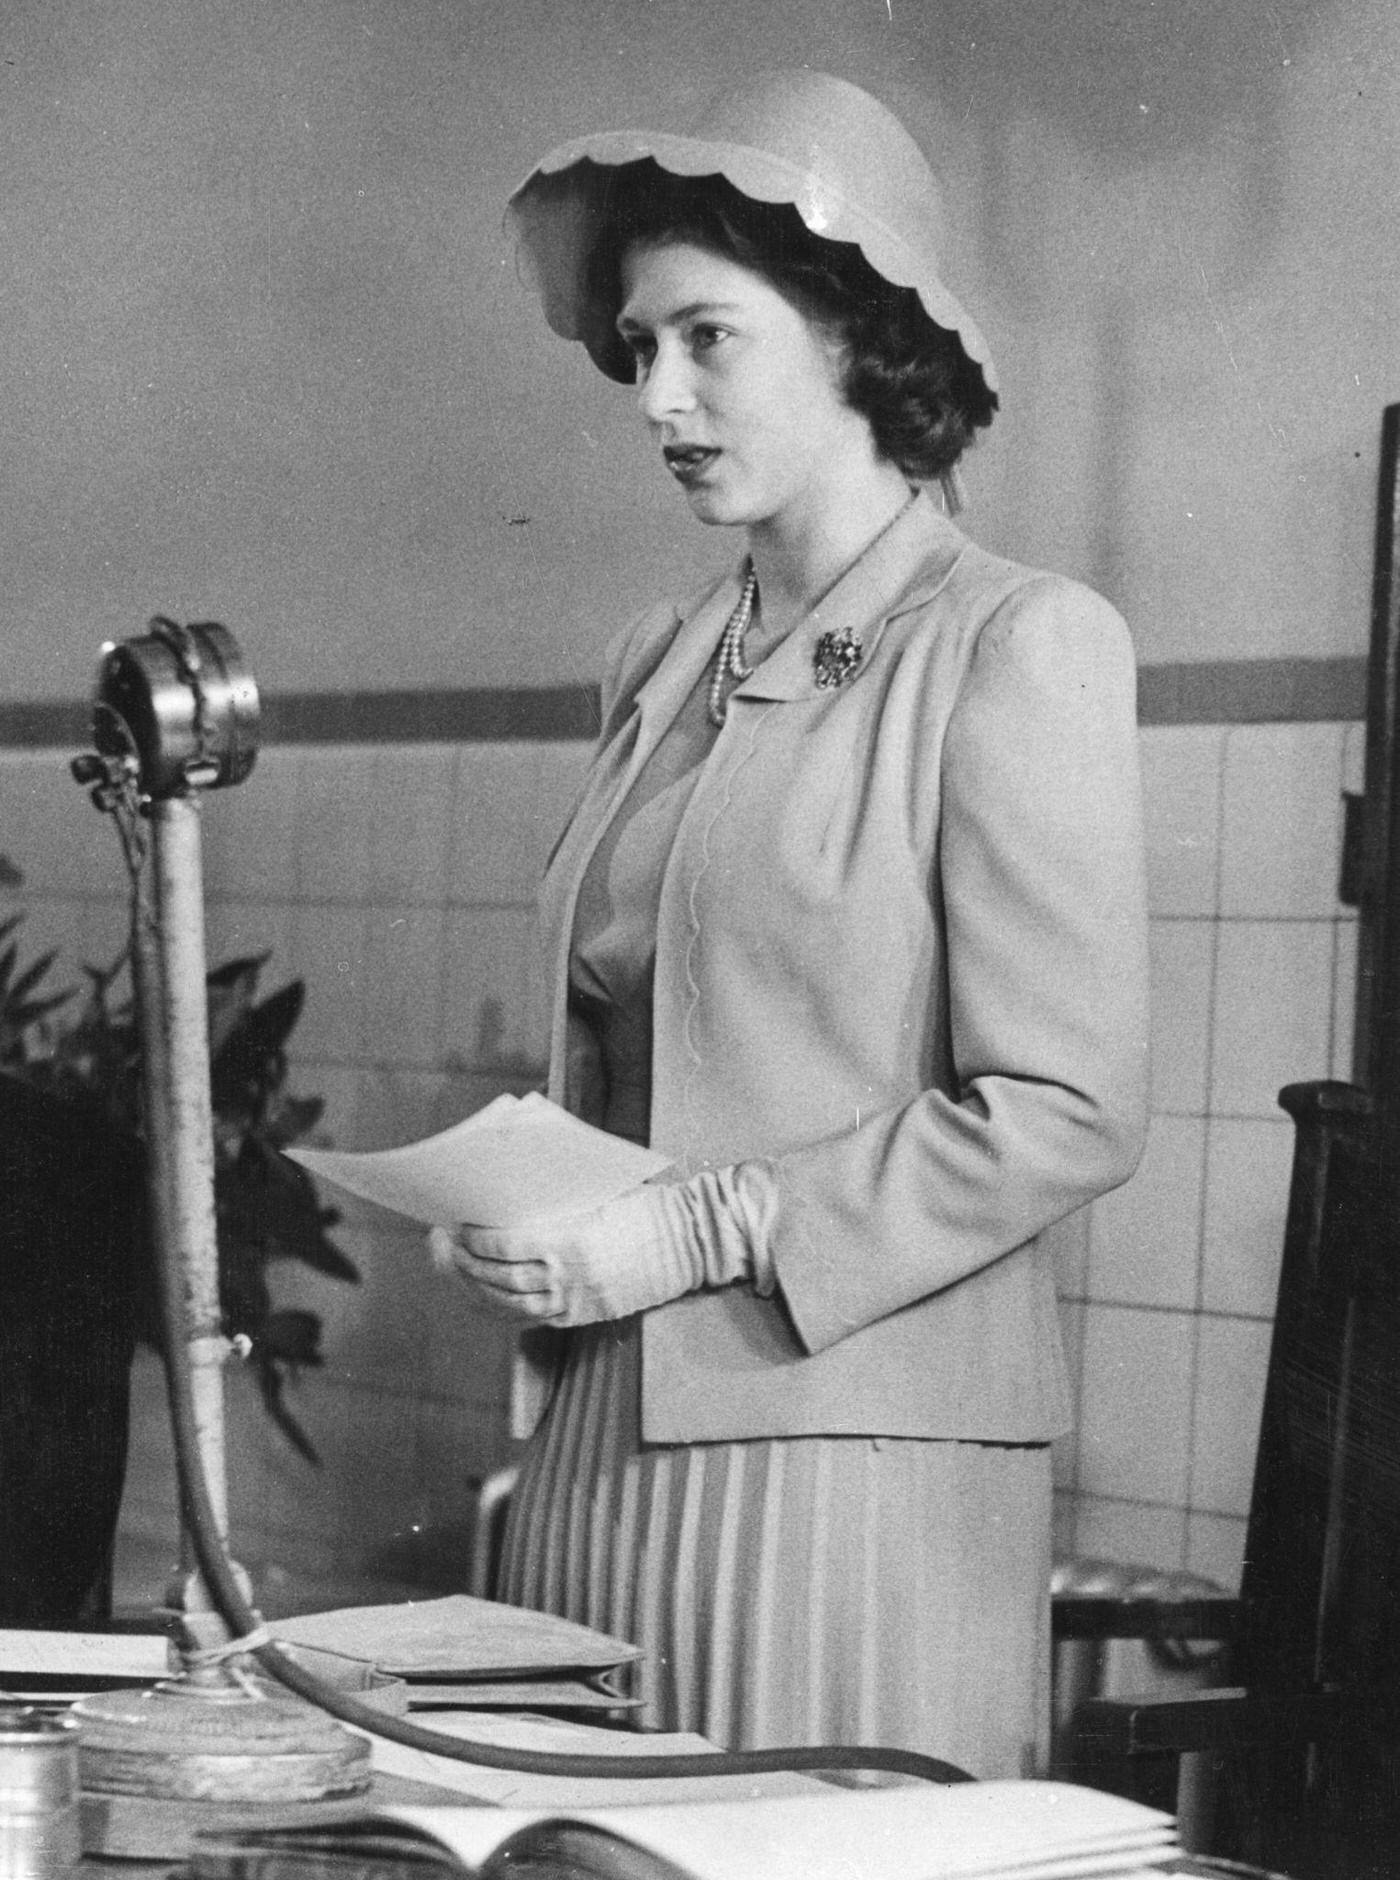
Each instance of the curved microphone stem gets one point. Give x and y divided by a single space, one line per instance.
168 971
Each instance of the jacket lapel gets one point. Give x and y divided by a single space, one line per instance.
903 569
680 668
654 709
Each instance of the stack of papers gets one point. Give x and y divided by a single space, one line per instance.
64 1665
519 1159
971 1831
459 1653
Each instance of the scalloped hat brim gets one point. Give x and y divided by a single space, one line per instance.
555 215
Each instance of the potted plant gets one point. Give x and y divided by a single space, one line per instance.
74 1251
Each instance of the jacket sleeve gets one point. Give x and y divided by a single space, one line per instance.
1039 883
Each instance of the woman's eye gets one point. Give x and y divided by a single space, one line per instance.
702 338
641 346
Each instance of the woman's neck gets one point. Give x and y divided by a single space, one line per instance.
797 561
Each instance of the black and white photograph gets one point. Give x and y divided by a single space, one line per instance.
700 939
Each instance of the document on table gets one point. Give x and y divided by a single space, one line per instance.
518 1159
971 1831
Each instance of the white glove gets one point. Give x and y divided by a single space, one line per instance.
650 1245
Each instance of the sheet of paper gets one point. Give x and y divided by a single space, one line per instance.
970 1831
83 1655
457 1635
534 1694
518 1159
511 1788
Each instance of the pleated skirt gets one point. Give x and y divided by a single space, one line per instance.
793 1591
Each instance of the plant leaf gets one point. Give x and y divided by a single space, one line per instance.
250 1063
292 1119
270 1386
33 973
293 1336
231 989
24 1014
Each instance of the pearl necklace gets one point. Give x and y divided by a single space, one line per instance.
729 659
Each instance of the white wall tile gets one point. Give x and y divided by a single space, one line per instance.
335 811
388 836
367 1489
294 1557
468 1351
242 929
50 830
80 933
539 1000
1135 1417
372 1333
456 1451
462 1093
497 841
398 1104
1232 1362
1181 777
489 1021
298 1497
1215 1548
401 985
150 1494
1249 1165
250 831
1134 1533
338 1087
1273 1012
1144 1238
248 1433
1281 852
1182 956
561 773
411 805
327 948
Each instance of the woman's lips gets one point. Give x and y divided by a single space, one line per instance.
688 462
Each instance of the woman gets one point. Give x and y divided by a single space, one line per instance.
848 921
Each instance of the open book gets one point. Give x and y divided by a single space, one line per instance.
519 1158
971 1831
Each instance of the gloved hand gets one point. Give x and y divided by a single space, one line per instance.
648 1246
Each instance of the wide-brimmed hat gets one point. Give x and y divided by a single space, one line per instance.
837 155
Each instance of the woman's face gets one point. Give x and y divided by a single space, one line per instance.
740 390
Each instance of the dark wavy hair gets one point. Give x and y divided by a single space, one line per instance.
910 379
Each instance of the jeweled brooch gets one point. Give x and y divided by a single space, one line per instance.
836 657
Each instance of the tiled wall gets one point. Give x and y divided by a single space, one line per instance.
1169 1283
398 881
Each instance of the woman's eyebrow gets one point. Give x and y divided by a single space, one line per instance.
626 324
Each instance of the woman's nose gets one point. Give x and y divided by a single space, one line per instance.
664 385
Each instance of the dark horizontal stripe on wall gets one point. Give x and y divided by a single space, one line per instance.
1252 692
1214 692
525 714
528 714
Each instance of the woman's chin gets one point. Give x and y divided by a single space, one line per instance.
710 507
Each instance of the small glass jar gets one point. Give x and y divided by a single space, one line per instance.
40 1821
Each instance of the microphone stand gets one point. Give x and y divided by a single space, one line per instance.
176 714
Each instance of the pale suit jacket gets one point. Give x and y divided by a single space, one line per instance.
901 957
